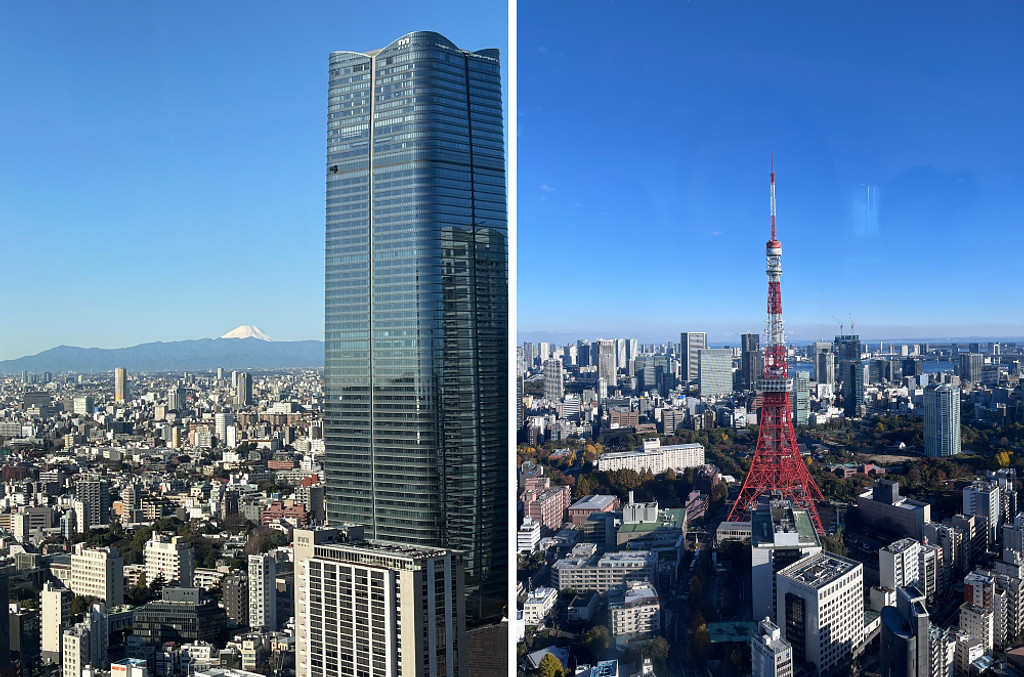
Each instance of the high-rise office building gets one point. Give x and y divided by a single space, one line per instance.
692 342
243 389
607 366
83 405
176 398
714 371
847 350
554 388
751 360
911 645
820 609
801 397
121 384
853 389
971 365
942 420
780 535
416 303
221 421
374 608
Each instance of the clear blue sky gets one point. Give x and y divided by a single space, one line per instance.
162 163
644 138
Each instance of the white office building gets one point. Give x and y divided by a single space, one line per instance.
375 608
169 558
770 654
779 536
821 598
99 573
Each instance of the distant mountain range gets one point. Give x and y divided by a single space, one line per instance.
243 348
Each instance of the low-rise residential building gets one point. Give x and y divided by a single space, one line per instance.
538 605
634 609
547 506
584 569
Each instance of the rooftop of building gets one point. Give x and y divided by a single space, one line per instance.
594 502
900 545
817 571
732 632
633 593
670 518
652 450
541 593
769 523
385 554
627 558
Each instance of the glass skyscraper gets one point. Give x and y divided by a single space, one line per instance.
416 306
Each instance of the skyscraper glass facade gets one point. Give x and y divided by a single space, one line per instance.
416 310
942 420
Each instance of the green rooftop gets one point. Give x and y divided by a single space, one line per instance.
733 632
673 518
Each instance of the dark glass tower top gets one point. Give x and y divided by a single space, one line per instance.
417 303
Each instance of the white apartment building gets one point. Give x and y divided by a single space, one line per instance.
982 499
99 573
634 610
538 605
979 623
85 643
375 608
584 570
55 614
658 459
528 536
770 654
262 592
170 558
821 610
898 564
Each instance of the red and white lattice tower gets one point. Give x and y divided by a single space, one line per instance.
777 468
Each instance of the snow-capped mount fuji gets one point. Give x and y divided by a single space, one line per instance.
248 348
246 331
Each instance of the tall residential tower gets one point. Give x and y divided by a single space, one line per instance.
416 303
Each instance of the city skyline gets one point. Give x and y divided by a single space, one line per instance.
196 148
895 157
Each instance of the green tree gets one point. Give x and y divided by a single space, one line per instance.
702 641
81 603
549 667
657 649
585 486
835 543
670 475
596 641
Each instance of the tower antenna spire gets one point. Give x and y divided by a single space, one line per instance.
777 468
